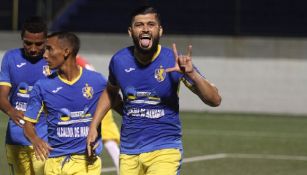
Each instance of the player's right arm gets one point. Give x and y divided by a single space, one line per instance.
41 148
34 108
5 88
108 99
6 106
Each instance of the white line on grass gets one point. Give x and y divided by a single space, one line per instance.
204 157
108 169
267 156
230 155
245 133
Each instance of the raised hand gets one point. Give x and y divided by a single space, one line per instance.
183 62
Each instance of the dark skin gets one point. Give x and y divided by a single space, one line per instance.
33 46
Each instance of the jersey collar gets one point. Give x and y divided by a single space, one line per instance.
74 80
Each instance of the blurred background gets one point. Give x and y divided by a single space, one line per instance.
253 51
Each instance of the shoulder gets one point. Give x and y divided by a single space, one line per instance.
93 75
167 56
13 53
125 52
166 51
47 82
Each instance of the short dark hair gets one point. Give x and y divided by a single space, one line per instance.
143 10
71 38
34 24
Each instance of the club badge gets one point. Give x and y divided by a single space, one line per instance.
160 74
88 91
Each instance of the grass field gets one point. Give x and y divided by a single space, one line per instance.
232 144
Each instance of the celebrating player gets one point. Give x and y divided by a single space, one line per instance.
20 69
69 96
148 76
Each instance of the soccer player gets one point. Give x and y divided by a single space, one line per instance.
69 96
20 69
109 129
148 76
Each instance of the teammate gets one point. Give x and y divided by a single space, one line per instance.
69 96
148 76
20 69
109 129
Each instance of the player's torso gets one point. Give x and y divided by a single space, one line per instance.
150 85
70 110
23 75
151 101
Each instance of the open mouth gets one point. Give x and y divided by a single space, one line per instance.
145 40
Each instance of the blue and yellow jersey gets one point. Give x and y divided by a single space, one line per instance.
70 106
21 74
151 103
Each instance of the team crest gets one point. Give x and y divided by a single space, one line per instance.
46 70
87 91
160 74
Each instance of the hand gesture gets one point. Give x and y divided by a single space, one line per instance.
183 62
16 116
91 141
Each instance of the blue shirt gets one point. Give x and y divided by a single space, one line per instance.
21 74
151 103
70 106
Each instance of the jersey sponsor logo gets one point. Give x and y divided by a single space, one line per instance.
129 70
23 95
46 70
75 132
147 113
69 122
20 65
23 88
21 106
88 92
57 90
141 97
66 114
160 74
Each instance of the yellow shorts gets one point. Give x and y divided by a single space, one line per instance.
160 162
22 160
73 164
109 129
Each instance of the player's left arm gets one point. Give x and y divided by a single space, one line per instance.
206 91
105 103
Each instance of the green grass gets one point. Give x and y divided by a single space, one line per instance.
232 134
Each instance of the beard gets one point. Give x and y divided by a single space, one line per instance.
150 50
33 58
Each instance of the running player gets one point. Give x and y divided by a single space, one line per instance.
149 76
20 69
69 96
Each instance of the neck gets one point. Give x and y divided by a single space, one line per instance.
69 70
145 58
